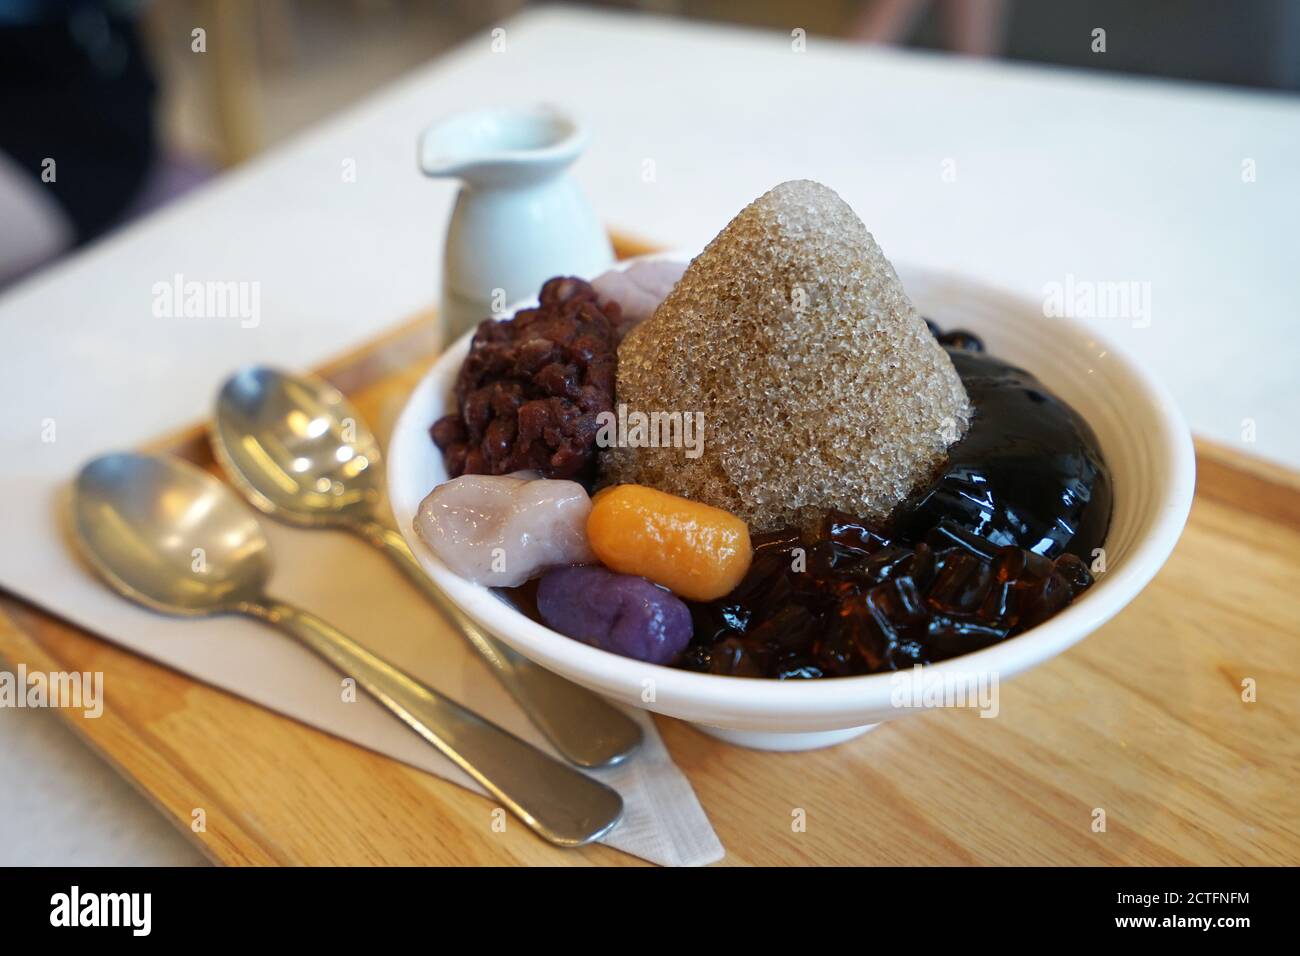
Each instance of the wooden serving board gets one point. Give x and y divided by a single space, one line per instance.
1145 720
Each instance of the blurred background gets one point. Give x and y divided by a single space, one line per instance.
114 89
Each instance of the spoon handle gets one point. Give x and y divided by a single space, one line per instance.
583 727
560 803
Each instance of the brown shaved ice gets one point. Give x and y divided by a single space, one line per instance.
821 387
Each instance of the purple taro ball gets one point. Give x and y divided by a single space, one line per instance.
615 612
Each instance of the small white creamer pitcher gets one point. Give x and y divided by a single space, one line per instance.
519 218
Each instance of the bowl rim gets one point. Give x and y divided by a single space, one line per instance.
1171 445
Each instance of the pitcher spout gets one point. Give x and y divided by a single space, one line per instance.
501 147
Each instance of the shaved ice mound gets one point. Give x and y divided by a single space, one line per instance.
820 385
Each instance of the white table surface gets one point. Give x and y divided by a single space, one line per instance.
1057 173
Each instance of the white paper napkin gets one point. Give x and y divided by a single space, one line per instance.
356 588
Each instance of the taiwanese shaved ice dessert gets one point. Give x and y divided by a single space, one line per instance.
821 387
858 491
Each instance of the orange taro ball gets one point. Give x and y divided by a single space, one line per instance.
696 551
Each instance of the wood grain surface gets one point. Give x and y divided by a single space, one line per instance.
1145 720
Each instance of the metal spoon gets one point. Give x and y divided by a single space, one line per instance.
301 453
173 538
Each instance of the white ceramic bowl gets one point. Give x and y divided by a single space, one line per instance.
1142 436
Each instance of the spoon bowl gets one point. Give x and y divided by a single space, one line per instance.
168 535
296 448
